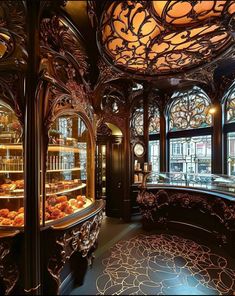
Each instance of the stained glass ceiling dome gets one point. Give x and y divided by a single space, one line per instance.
164 37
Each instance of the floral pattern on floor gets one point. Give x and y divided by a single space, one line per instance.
164 265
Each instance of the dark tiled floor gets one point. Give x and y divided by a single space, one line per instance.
132 261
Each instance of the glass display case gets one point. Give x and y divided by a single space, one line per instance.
68 183
11 169
216 183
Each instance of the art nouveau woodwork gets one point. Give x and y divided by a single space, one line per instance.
160 206
80 238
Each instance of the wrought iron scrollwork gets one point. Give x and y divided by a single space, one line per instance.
156 37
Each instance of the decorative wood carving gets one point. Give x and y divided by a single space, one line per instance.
64 69
80 238
154 207
10 89
103 130
91 10
59 38
107 73
114 107
13 35
9 273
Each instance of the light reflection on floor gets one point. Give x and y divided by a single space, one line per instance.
164 265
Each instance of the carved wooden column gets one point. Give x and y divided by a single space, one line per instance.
146 119
217 141
163 143
31 159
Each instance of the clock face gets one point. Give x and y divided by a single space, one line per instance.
139 150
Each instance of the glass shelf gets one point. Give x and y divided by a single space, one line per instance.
11 172
11 146
48 171
47 194
51 147
67 190
64 170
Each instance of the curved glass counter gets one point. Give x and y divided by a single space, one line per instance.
222 184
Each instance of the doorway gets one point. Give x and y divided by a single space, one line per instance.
109 168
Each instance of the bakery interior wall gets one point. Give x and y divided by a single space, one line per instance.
52 60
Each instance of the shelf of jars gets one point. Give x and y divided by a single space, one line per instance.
139 173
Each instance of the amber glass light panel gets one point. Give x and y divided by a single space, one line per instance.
161 37
68 163
11 169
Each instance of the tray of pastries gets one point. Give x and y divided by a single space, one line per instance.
12 218
60 206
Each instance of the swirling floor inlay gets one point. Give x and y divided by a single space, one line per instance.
164 265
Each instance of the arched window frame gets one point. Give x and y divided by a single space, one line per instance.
229 129
191 160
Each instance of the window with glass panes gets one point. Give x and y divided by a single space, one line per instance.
189 132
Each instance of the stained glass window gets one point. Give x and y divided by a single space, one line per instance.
230 105
137 120
191 155
154 119
190 110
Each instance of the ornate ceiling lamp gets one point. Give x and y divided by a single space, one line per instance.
164 37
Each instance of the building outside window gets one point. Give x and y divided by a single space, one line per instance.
154 153
189 116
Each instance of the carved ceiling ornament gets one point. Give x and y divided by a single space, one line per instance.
164 37
58 37
103 129
107 73
63 66
10 93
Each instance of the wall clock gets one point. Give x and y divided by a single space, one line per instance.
139 149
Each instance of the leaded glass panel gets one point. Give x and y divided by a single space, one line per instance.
154 119
230 104
137 120
190 110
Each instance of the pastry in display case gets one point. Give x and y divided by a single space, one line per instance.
68 187
11 169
